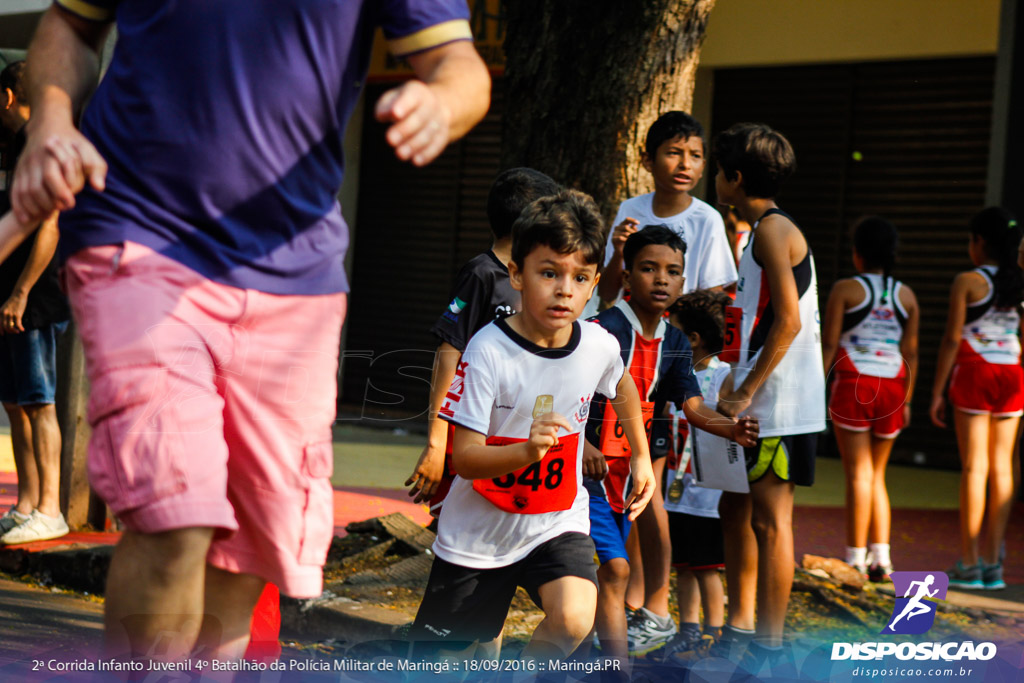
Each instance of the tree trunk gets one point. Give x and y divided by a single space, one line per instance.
585 80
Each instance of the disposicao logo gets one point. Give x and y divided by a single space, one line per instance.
914 613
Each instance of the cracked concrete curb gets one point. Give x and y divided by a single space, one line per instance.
77 566
340 618
83 568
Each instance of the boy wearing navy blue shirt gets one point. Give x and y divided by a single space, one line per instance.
659 359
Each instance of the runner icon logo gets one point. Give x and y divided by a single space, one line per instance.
914 613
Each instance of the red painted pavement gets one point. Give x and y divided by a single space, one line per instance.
351 504
921 539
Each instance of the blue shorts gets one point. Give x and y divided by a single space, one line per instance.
28 365
608 528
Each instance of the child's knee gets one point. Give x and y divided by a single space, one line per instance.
614 575
574 621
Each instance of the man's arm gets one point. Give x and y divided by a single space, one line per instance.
12 234
57 160
39 257
430 467
452 94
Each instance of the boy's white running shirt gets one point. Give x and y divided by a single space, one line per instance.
497 385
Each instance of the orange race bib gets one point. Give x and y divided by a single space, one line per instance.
613 436
731 340
546 486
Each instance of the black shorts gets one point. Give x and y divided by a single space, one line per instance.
463 605
790 457
697 542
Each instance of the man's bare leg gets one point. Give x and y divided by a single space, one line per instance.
154 604
46 449
227 615
24 459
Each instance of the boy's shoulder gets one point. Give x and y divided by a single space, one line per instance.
484 266
704 212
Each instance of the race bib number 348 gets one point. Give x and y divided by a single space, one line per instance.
546 486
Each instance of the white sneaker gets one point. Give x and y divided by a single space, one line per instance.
39 527
11 519
647 631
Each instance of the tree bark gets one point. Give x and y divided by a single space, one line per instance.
585 80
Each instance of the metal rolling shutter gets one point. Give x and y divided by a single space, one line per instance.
415 229
922 132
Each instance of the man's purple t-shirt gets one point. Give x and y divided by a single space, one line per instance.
222 123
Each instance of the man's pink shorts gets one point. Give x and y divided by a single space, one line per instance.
211 406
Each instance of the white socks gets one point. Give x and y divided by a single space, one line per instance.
880 554
857 557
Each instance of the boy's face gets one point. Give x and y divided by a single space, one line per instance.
678 165
555 287
656 278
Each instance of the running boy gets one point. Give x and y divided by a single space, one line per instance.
482 293
693 521
774 336
659 361
517 511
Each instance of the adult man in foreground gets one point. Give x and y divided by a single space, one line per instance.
204 268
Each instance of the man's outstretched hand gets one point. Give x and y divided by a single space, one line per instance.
53 168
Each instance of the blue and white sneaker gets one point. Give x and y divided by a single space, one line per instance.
965 577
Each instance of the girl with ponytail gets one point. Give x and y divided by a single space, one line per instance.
869 345
980 356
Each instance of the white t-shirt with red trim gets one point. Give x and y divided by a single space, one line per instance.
489 523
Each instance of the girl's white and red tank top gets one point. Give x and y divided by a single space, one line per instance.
873 329
990 332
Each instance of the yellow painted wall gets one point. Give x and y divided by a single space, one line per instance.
772 32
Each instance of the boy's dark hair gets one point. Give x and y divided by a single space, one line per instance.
567 222
13 77
648 235
763 156
1002 236
514 190
875 240
703 312
670 126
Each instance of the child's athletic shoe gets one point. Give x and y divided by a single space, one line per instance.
687 640
965 577
39 527
879 573
646 631
731 644
992 576
11 519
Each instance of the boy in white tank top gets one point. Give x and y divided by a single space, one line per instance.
773 339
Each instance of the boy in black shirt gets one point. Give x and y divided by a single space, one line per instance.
482 293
